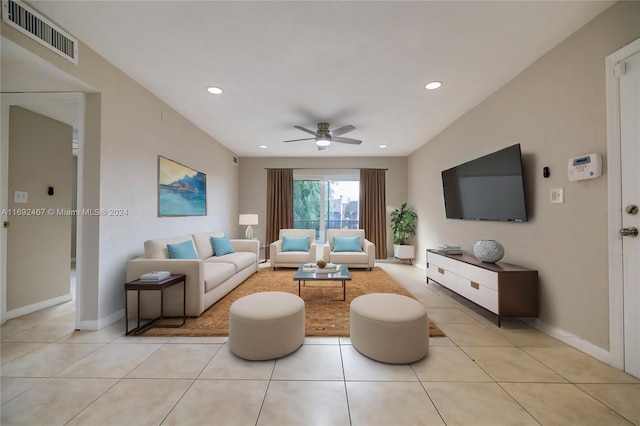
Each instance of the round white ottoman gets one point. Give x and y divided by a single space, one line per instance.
266 325
389 328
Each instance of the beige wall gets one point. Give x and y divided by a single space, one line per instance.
126 128
253 182
39 157
556 110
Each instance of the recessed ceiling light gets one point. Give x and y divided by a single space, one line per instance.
433 85
263 146
382 146
215 90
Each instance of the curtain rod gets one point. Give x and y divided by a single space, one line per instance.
323 168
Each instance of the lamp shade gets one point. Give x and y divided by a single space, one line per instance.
248 219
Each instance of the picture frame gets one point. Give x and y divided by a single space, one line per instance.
182 191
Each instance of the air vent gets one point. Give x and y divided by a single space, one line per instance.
33 24
235 159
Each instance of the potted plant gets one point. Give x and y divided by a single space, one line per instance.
403 227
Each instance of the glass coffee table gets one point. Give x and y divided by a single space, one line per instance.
342 274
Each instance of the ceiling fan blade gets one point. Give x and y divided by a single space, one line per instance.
306 130
342 130
298 140
346 140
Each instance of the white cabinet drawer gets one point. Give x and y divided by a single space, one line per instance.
479 275
483 296
442 276
442 262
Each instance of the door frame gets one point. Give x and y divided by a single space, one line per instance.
614 166
20 99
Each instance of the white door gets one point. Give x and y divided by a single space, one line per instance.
630 170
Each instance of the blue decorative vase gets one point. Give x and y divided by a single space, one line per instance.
489 251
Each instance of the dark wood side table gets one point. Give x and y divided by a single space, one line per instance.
160 286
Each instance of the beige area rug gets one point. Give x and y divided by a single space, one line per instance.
325 314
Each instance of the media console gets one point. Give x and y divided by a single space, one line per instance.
501 288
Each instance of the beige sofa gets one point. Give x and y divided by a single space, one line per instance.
209 277
292 259
365 258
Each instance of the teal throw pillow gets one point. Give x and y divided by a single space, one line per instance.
222 246
182 251
346 244
295 243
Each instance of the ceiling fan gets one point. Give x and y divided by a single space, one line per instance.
324 136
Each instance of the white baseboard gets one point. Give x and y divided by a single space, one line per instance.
24 310
94 325
571 339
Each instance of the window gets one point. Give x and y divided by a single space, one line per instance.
326 200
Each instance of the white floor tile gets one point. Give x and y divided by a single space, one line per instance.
310 362
223 402
134 402
390 403
358 367
305 403
226 365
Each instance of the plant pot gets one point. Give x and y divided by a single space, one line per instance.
403 251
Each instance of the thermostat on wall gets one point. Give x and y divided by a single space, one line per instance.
585 167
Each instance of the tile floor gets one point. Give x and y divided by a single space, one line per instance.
478 375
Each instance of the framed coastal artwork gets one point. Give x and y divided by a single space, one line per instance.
182 191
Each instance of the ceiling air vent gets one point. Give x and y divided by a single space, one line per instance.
235 159
33 24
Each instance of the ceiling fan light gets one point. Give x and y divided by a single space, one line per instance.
214 90
323 141
433 85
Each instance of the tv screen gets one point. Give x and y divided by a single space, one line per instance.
487 188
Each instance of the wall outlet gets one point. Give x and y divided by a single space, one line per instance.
557 195
20 197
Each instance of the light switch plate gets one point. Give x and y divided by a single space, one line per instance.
557 195
20 197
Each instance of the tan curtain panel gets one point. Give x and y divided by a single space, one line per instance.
373 208
279 203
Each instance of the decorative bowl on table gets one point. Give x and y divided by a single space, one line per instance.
328 268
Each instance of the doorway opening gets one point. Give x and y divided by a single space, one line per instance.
72 107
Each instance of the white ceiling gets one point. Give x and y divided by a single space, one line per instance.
282 64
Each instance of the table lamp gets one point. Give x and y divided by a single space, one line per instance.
248 219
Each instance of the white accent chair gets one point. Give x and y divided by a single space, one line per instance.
365 258
292 259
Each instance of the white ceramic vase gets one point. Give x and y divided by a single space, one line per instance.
489 251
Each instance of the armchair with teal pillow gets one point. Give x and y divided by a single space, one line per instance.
349 247
293 248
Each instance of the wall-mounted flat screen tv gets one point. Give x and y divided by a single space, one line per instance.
487 188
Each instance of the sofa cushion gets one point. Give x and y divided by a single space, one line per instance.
292 257
295 243
157 249
350 257
216 273
203 244
239 259
222 246
342 244
183 250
